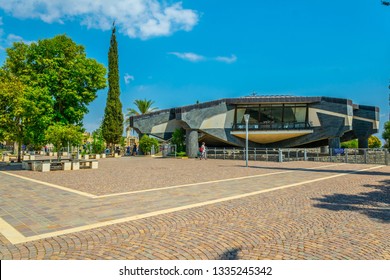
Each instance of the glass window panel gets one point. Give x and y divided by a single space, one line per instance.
253 115
289 114
300 114
277 113
265 114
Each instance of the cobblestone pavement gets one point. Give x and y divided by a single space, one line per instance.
144 208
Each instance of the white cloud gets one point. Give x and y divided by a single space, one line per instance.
128 78
193 57
135 18
226 59
10 39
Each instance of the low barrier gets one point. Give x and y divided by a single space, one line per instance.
362 156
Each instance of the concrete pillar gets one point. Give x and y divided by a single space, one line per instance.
334 143
138 148
324 150
192 145
363 142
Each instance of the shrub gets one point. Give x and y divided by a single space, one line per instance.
146 143
350 144
178 139
98 145
374 142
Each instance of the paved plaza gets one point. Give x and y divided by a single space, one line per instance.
156 208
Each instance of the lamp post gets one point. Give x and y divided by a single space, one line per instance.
246 117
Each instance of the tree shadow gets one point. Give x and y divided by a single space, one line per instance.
231 254
375 204
11 166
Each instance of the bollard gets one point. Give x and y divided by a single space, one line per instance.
280 156
305 154
365 155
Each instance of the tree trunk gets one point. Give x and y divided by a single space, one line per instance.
20 151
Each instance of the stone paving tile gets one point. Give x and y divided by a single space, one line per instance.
72 210
341 218
136 173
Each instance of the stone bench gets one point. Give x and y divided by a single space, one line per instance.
95 156
9 158
92 164
46 165
28 157
63 165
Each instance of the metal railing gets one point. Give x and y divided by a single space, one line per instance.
360 156
273 126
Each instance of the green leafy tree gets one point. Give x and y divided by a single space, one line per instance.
58 74
12 109
374 142
98 144
53 82
386 133
142 107
61 135
112 126
146 143
178 139
350 144
23 115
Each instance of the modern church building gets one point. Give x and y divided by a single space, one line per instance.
274 122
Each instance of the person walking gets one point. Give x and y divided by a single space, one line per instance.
203 152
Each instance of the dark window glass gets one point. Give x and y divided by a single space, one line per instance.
289 114
253 113
277 114
265 114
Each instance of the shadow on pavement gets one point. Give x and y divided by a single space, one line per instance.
368 172
231 254
375 204
11 167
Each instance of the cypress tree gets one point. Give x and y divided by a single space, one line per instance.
112 126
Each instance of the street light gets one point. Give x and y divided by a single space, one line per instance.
246 117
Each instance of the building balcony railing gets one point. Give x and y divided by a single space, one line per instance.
273 126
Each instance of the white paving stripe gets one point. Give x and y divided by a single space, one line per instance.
18 238
51 185
163 188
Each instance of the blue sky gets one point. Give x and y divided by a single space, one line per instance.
176 53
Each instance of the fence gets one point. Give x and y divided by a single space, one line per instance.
168 150
364 156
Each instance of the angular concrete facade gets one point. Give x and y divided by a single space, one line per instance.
275 121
